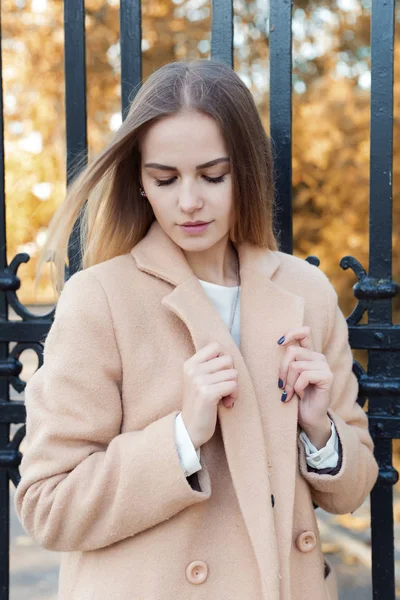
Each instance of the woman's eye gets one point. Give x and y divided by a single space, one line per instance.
215 179
160 182
164 182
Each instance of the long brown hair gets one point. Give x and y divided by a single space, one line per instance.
105 193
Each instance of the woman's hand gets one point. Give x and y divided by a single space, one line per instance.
208 378
306 373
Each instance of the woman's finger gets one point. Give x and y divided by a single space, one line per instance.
294 372
295 353
299 334
322 379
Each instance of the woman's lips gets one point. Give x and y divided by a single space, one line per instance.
195 228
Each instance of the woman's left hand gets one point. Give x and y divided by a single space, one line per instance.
306 373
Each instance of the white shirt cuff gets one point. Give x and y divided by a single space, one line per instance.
188 455
326 457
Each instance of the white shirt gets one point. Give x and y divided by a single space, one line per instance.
223 298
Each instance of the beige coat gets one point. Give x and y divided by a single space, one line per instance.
101 477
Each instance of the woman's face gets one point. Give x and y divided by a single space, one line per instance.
179 188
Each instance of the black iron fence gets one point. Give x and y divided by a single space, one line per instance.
374 289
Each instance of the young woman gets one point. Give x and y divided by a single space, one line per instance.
197 396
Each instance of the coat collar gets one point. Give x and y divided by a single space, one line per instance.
158 255
260 433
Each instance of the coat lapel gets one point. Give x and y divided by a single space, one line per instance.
260 433
267 312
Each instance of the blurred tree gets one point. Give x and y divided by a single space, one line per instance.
331 76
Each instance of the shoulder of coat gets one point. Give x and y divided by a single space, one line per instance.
301 276
117 269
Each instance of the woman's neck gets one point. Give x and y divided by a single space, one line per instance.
217 264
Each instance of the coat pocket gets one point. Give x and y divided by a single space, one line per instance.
330 580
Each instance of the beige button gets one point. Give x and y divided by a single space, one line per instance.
197 572
306 541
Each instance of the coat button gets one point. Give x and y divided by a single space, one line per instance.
197 572
306 541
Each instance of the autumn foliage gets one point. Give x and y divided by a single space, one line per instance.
331 114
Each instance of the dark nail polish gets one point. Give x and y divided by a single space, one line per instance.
281 340
284 396
280 383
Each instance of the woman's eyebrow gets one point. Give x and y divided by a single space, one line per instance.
203 166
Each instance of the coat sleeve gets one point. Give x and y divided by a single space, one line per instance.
84 484
346 487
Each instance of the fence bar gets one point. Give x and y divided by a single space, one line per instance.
4 387
384 364
280 52
222 31
131 51
75 101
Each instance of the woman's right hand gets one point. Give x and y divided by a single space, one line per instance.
208 378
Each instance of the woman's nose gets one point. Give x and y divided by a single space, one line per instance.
189 202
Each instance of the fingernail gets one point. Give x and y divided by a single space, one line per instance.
284 396
232 405
280 383
281 340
